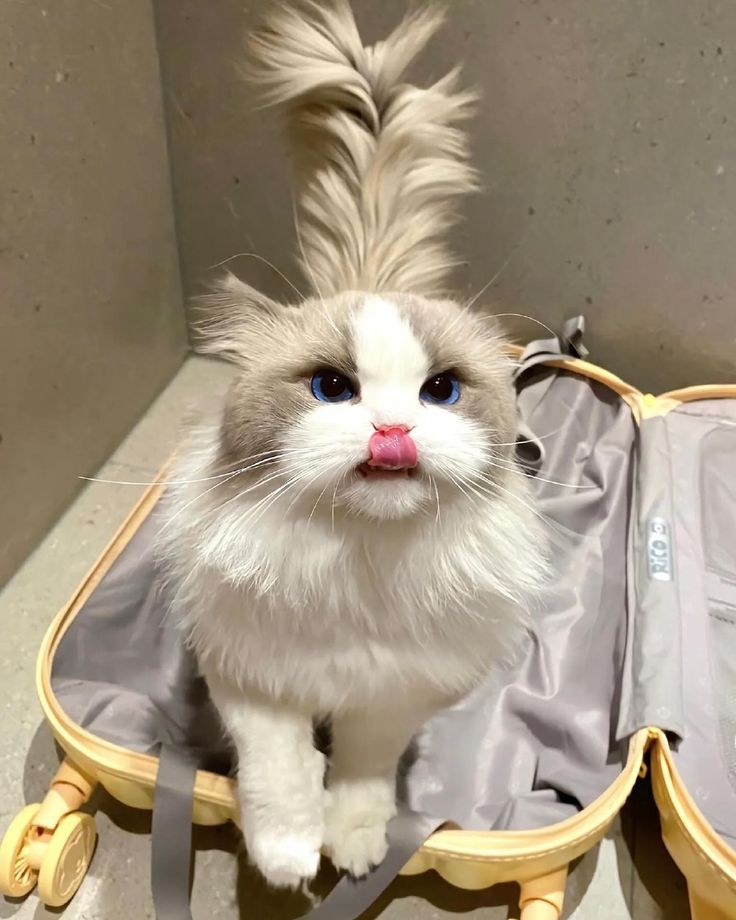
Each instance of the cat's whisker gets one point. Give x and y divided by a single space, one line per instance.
262 482
495 278
256 485
479 492
455 482
437 496
265 503
542 517
256 511
271 456
548 521
531 319
255 255
314 507
273 493
201 495
476 486
467 308
183 508
519 468
458 480
283 491
304 488
541 437
334 498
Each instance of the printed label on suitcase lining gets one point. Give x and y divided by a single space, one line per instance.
659 549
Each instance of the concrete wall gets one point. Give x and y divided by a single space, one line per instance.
91 323
606 136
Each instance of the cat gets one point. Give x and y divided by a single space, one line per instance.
351 538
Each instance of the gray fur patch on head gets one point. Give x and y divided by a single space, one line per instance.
278 348
458 340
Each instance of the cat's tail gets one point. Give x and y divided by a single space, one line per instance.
380 161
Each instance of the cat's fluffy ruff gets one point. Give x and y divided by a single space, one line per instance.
310 591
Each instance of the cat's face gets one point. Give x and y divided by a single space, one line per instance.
381 405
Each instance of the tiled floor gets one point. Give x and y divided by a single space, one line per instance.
628 876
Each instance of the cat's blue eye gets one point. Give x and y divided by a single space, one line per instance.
331 386
442 389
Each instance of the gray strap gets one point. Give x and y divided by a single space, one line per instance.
573 330
349 899
653 687
171 835
171 850
568 344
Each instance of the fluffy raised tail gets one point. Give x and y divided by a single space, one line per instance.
380 161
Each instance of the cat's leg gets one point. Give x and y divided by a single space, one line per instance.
280 783
361 788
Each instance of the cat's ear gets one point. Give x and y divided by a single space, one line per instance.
230 316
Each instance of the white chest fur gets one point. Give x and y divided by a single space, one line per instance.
353 613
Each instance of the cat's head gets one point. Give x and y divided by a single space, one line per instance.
381 406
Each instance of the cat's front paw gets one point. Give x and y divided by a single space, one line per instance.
287 859
355 826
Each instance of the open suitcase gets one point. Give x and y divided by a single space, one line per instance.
634 650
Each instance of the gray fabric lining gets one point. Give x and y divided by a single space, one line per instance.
122 671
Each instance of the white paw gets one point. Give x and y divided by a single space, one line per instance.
288 859
355 827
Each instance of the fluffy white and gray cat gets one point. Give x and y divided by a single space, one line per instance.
351 539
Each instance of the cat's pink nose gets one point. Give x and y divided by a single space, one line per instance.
392 448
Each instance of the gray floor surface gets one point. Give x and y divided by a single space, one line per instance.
628 876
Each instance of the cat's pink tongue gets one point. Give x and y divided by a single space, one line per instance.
392 449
